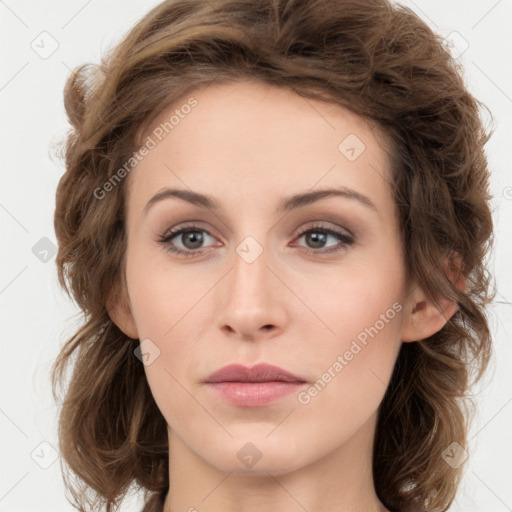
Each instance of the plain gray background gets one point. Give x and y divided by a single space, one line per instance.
36 316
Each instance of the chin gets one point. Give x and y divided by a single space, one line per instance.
257 455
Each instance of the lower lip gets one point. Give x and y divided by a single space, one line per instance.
253 394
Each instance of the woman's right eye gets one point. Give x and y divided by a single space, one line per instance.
195 239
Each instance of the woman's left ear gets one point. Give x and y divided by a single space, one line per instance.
422 316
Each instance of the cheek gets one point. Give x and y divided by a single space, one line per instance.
352 375
364 347
166 305
348 301
355 355
161 294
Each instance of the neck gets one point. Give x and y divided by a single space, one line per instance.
339 481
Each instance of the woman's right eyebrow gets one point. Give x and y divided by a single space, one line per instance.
197 199
289 203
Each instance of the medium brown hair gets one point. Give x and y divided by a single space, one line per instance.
377 59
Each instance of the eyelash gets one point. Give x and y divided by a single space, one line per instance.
169 235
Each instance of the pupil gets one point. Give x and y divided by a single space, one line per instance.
198 239
318 237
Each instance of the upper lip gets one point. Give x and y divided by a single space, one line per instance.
262 372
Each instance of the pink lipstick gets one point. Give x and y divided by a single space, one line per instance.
253 387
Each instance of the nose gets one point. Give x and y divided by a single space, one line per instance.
251 299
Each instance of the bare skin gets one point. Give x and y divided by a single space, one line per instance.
249 146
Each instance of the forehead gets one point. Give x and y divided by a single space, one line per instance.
250 143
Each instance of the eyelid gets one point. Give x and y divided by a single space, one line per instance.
326 225
179 228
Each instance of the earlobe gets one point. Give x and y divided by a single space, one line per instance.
423 317
120 313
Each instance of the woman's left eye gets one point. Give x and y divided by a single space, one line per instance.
192 238
313 236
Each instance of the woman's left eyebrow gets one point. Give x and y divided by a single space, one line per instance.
305 198
289 203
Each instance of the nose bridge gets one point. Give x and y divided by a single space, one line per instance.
250 279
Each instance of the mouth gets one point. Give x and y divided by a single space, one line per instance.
253 387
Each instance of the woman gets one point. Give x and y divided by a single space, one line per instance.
275 216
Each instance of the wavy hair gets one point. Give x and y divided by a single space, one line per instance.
373 57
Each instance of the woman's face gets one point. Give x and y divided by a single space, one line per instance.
314 285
